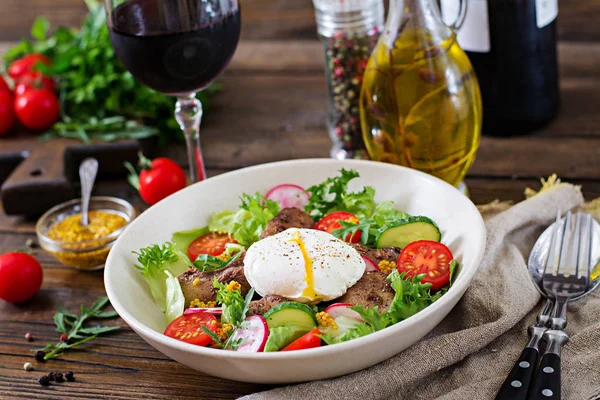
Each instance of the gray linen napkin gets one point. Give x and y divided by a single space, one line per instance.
468 355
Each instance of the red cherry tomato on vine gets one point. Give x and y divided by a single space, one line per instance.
162 179
7 112
26 64
34 80
20 277
3 85
37 109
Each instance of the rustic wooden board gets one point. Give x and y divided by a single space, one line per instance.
269 19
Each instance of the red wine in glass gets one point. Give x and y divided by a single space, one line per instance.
176 47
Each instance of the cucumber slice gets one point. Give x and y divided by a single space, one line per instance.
407 230
291 314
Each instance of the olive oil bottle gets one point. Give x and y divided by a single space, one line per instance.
420 104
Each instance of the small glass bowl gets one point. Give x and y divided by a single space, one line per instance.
88 254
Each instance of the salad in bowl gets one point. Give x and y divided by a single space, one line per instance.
297 268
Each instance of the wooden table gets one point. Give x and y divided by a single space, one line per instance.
273 107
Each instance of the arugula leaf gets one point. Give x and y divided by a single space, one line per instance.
72 326
97 330
453 266
154 260
94 85
175 301
205 262
368 228
246 224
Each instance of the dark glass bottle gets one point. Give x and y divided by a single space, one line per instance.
512 46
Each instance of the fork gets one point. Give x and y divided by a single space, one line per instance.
566 275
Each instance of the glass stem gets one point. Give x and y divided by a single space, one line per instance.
188 113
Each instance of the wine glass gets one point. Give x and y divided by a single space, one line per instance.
176 47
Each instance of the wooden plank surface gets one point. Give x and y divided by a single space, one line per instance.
269 19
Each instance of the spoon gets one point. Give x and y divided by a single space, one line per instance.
516 385
87 176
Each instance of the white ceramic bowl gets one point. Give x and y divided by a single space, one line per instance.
412 191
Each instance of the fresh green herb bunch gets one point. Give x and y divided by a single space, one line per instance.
99 98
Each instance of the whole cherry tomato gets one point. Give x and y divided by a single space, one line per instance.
161 178
26 64
3 85
20 277
34 80
7 112
37 109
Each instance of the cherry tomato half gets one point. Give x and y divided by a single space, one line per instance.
212 244
37 109
26 64
329 223
33 80
7 111
164 178
429 258
307 341
188 328
21 277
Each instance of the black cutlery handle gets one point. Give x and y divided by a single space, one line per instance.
546 385
516 385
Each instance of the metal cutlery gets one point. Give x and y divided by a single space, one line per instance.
565 278
516 386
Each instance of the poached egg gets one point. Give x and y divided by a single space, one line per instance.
304 265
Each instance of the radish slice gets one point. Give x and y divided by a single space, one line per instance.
289 195
342 310
210 310
254 333
371 266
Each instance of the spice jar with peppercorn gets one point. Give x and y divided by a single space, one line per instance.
349 30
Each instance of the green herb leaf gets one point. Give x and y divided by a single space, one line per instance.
206 262
73 326
40 28
97 330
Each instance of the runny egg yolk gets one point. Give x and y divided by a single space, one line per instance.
309 291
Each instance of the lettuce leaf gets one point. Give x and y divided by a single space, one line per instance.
175 301
411 296
246 224
182 239
385 213
153 261
376 320
357 331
